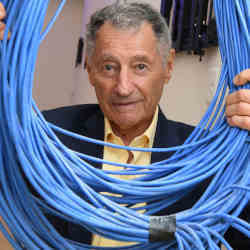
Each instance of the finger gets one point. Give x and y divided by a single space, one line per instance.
2 11
242 95
242 78
241 108
242 122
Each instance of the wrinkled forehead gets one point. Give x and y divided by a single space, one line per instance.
142 39
143 26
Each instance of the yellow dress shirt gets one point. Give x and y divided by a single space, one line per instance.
123 156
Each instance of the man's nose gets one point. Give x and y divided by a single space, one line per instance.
124 85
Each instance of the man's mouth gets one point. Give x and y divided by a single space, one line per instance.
125 105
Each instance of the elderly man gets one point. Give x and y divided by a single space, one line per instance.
129 61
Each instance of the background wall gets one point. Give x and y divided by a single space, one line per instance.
59 83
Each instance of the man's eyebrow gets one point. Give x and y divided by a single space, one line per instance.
108 57
143 58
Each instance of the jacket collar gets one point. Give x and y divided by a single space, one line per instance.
92 126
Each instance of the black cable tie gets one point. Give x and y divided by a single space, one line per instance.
162 228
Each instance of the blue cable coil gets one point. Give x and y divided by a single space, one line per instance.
62 177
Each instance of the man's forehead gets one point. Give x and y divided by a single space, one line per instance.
128 45
110 37
144 27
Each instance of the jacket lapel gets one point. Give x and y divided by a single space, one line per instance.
162 139
93 127
169 134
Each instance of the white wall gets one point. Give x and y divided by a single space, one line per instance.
189 92
55 77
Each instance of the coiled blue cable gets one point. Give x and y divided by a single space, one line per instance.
69 187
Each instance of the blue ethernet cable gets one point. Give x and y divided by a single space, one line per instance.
68 186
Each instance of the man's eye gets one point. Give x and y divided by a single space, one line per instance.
108 67
141 66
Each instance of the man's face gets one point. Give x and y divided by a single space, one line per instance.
128 75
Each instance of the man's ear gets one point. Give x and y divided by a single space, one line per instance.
170 65
87 66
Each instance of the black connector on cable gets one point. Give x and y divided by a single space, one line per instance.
162 228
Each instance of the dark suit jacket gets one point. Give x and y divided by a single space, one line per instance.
88 120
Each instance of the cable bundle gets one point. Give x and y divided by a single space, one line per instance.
65 185
192 23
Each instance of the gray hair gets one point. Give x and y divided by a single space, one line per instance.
125 16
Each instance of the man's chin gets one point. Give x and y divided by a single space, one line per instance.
125 122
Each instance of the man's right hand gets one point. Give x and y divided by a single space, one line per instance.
2 24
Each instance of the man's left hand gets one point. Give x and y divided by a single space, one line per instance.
238 103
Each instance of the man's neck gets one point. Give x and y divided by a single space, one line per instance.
129 134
